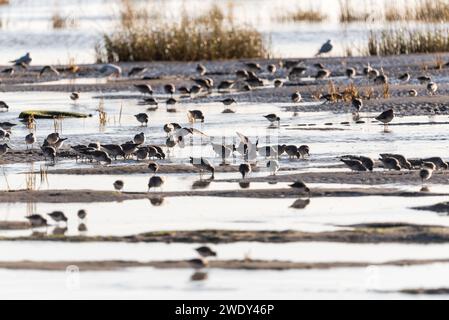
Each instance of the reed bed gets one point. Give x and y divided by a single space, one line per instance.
62 22
211 36
408 41
430 11
349 15
303 15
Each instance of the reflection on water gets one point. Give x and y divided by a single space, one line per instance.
157 201
300 204
199 276
244 185
201 184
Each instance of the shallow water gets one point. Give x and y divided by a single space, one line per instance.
147 283
197 213
27 27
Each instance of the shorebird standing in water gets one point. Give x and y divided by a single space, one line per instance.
301 187
142 118
386 117
37 221
4 106
58 216
4 149
273 118
144 88
245 169
425 174
30 140
119 185
155 182
203 165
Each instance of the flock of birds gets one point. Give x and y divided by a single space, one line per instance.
177 135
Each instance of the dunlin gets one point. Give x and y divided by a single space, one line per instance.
424 79
292 151
354 165
304 151
301 187
429 165
136 71
440 163
101 156
386 117
203 165
82 214
253 66
357 104
30 139
170 89
390 164
206 252
142 153
75 96
153 167
58 216
229 101
4 135
142 118
323 74
245 169
49 69
49 152
278 83
144 88
296 97
129 149
413 93
4 149
4 106
7 125
425 174
155 182
272 118
271 68
351 73
119 185
139 138
403 162
226 85
432 88
195 116
113 150
37 221
405 77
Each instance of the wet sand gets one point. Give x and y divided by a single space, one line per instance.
91 196
213 264
369 233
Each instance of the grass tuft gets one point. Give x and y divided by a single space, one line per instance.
408 41
211 36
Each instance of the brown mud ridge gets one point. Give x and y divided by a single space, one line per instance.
367 233
213 264
14 225
344 177
26 156
442 207
92 196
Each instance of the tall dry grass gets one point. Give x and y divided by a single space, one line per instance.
430 11
211 36
348 14
408 40
303 15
